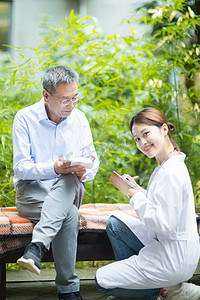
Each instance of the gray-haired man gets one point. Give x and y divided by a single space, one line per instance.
49 191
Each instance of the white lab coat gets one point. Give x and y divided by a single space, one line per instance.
167 228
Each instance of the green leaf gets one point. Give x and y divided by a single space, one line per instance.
150 54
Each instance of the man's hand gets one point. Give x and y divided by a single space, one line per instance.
80 172
64 168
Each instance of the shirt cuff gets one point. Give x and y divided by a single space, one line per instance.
49 171
134 198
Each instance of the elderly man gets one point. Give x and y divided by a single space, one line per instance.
49 189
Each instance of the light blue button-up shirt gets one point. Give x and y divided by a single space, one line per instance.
38 142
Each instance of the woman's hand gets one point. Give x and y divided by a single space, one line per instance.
129 178
133 191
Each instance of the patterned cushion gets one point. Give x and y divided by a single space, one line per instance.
95 216
15 231
12 224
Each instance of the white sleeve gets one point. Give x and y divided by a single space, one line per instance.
23 164
161 212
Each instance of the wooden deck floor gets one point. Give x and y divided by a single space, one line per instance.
24 285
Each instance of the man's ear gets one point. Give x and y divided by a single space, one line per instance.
45 95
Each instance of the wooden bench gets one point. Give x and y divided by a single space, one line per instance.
93 243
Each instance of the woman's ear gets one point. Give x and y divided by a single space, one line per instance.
165 128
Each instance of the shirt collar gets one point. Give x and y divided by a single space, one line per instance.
42 114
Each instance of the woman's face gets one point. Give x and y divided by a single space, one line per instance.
151 140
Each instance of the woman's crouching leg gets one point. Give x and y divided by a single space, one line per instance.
115 281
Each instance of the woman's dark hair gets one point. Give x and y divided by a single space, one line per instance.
153 117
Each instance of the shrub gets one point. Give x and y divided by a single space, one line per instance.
118 76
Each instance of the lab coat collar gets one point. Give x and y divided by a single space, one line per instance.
180 157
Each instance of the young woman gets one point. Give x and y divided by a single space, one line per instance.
161 248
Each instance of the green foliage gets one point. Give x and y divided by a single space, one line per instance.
6 185
118 76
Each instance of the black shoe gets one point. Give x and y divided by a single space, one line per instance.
32 257
70 296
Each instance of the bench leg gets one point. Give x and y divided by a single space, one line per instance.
3 281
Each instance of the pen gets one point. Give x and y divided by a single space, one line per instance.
134 177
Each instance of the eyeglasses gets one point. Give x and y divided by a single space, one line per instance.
68 101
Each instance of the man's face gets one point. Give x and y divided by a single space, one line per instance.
53 102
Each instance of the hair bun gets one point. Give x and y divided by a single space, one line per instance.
171 126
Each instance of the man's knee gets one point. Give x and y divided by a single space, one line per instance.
73 216
73 212
68 178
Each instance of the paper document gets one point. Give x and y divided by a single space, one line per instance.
86 162
121 183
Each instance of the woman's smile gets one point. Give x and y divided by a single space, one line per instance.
148 148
